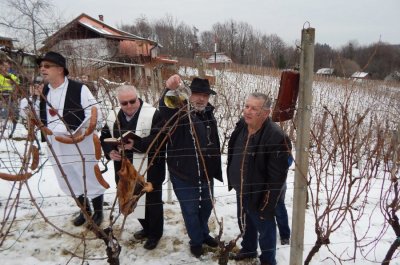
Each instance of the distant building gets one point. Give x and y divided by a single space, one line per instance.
161 66
217 60
325 71
6 42
394 76
361 75
89 41
24 59
88 37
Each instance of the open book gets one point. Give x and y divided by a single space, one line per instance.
81 128
123 139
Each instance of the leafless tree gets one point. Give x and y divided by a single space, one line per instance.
324 56
345 67
141 27
31 20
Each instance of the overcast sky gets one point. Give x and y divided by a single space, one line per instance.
336 22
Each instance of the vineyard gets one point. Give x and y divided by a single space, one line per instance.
353 193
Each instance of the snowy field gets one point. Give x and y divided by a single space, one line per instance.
32 239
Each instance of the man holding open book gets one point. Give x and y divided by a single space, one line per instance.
132 127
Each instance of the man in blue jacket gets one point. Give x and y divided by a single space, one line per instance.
258 162
193 158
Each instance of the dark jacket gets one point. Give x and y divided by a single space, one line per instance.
267 168
181 149
156 173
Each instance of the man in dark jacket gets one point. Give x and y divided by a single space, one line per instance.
194 158
261 151
144 120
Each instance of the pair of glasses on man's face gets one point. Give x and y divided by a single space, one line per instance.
125 103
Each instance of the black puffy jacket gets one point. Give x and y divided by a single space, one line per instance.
267 168
181 150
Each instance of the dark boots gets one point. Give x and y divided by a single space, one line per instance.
80 220
98 209
97 216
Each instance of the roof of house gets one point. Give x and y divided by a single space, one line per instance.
98 27
325 71
360 75
6 38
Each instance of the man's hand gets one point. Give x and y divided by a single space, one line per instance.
115 155
37 90
129 145
173 82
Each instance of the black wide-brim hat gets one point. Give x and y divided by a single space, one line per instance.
200 85
56 58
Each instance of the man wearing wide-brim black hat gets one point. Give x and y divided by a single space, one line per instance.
57 59
64 105
193 141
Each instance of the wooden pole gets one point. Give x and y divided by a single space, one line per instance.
130 75
302 145
396 143
200 66
159 79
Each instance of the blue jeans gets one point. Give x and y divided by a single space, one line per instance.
256 229
196 208
281 216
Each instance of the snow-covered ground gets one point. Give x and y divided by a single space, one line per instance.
33 241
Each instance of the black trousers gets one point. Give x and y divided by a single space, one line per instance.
153 224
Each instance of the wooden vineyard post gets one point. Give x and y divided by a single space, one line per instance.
302 145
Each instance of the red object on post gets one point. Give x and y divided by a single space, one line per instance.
287 96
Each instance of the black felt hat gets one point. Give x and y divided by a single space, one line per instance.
56 58
200 85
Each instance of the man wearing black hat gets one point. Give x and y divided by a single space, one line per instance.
65 104
194 159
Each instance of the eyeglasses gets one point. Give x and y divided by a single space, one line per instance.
124 103
47 66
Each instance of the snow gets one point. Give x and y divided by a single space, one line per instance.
33 239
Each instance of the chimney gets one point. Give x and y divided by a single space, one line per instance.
101 17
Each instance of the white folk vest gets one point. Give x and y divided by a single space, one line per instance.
143 129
